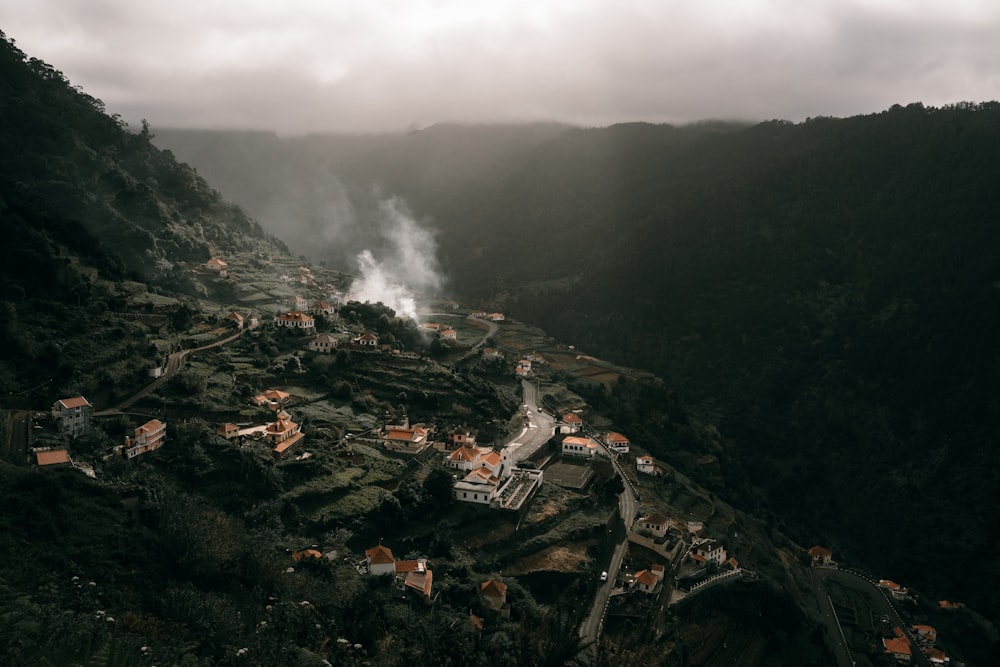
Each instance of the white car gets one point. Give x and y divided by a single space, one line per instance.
604 576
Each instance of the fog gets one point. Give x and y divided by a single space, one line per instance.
326 65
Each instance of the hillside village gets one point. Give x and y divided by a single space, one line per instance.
674 551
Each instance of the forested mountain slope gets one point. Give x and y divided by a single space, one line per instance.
826 292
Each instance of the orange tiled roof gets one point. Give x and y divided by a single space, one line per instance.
306 553
75 402
151 426
464 453
899 644
420 581
886 583
294 316
493 458
616 438
646 578
493 588
404 566
574 440
658 519
379 555
820 552
571 418
52 457
288 443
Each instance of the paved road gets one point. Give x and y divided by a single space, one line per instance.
590 630
540 426
877 598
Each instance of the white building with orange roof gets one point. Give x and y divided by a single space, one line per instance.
284 434
407 439
367 339
645 465
218 266
271 398
380 560
570 423
617 442
467 457
573 445
656 524
647 581
898 592
898 646
493 593
820 556
323 343
296 320
324 308
72 415
148 437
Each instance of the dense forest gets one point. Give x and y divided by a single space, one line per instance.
825 292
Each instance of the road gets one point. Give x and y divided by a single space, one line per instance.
876 596
174 363
590 630
539 428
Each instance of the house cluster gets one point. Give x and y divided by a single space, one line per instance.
443 331
283 434
900 645
409 574
72 417
301 316
490 477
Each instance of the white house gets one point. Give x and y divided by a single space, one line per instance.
298 303
324 308
380 560
323 343
645 464
367 339
579 446
655 524
647 581
218 266
72 415
710 550
490 472
616 442
570 423
296 320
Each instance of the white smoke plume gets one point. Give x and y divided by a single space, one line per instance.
405 266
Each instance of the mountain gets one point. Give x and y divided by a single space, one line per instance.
825 292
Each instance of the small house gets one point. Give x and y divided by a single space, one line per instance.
380 560
820 556
147 438
579 446
72 415
323 343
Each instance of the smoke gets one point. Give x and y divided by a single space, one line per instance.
404 265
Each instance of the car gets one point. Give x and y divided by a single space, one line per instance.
604 576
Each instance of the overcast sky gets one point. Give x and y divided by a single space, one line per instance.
297 66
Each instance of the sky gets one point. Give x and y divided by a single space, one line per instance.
299 66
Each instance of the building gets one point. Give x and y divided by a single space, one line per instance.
448 334
148 437
570 422
926 634
820 556
617 442
898 592
492 353
323 343
493 593
647 581
380 560
645 465
45 458
367 339
579 446
296 320
237 319
284 434
415 575
272 398
324 308
710 551
216 265
462 437
228 430
72 415
898 646
298 303
495 317
655 524
404 438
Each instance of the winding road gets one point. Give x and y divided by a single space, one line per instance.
590 630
